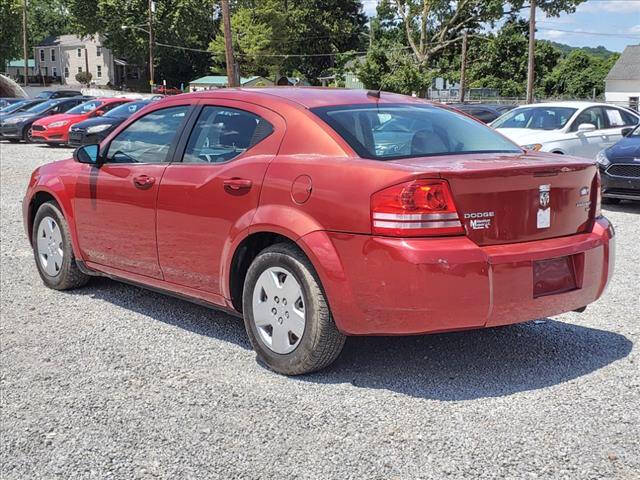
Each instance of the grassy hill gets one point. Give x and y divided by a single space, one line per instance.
599 51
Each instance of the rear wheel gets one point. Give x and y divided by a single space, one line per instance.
53 251
286 314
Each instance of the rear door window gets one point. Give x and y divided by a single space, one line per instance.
593 115
221 134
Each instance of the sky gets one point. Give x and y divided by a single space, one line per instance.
611 23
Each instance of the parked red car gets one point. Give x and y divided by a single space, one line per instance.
162 90
316 214
54 130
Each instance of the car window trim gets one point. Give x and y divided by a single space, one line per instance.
186 134
170 154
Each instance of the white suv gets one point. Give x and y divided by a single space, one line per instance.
572 128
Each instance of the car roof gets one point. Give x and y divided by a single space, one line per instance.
308 97
569 104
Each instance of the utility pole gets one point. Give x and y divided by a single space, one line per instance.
228 44
371 32
24 42
151 81
463 68
532 51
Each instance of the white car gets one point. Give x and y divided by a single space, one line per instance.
571 128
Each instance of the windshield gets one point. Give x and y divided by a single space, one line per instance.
126 110
536 118
41 107
390 131
85 107
12 107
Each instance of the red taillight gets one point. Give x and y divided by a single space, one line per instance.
415 209
598 211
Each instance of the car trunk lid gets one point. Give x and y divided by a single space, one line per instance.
517 198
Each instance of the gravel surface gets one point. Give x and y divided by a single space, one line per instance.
112 381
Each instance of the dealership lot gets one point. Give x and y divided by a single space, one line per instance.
115 381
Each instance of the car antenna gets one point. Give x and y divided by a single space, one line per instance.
374 93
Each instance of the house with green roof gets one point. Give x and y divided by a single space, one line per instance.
14 68
220 81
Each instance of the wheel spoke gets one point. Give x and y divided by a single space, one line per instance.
42 244
47 224
280 339
295 323
291 289
262 315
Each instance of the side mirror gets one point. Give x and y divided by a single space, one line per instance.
586 127
626 131
87 154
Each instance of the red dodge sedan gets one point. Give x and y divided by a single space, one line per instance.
316 214
54 130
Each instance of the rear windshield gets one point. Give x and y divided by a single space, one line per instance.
391 131
537 118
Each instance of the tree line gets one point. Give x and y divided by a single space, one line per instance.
402 48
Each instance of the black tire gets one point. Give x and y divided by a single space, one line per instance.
13 140
27 136
610 201
321 342
69 275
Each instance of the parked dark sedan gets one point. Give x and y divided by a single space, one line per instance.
4 101
484 112
620 169
94 130
51 94
17 126
20 106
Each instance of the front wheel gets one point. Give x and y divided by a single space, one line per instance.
286 314
53 251
28 136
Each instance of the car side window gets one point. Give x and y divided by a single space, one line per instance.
221 134
109 106
148 139
628 119
593 115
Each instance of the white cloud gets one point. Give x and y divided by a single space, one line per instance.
613 6
552 33
635 29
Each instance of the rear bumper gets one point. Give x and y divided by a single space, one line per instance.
390 286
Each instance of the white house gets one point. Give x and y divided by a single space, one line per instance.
64 56
623 81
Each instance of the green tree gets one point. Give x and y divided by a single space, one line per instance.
286 37
186 23
84 78
578 74
44 18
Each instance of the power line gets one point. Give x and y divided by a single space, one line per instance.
580 32
278 55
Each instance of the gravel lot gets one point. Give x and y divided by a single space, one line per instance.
112 381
